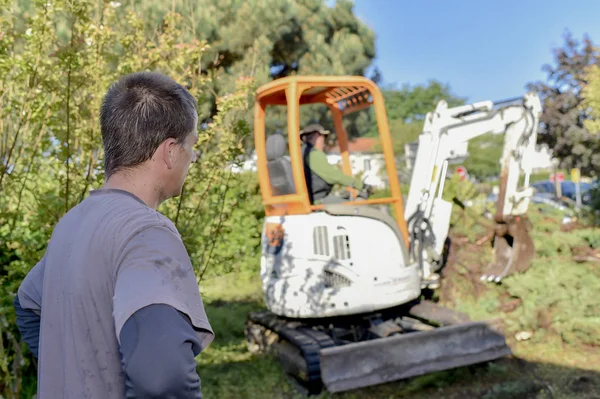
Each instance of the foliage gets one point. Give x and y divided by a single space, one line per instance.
410 104
273 39
466 193
406 108
556 296
548 294
590 93
267 39
57 59
56 63
563 119
231 214
485 153
401 134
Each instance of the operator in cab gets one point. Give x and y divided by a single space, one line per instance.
320 175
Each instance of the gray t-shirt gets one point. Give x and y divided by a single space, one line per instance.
108 257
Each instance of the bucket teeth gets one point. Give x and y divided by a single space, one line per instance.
513 249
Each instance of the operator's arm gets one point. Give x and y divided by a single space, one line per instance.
28 306
158 346
329 173
160 321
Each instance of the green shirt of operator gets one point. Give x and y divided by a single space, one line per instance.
320 175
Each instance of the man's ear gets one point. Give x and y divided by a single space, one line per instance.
166 152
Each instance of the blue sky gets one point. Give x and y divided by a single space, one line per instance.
485 50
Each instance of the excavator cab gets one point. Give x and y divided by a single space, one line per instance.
282 178
341 282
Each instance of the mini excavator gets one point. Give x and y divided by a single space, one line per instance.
343 282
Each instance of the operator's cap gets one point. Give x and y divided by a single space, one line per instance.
314 128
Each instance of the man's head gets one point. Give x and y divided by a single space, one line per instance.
314 135
149 125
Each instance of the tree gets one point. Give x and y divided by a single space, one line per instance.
406 109
563 124
272 39
591 98
266 39
411 104
401 134
485 153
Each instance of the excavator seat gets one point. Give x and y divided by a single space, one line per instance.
279 166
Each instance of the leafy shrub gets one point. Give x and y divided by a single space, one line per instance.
465 220
557 294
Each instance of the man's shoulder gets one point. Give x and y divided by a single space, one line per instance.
119 212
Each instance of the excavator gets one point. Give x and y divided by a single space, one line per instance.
343 283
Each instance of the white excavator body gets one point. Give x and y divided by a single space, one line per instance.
333 265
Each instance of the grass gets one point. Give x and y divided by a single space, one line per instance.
556 300
226 368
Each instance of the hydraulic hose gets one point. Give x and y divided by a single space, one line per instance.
419 226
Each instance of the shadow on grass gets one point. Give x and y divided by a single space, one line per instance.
501 379
262 377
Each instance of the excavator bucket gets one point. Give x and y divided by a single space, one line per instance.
513 249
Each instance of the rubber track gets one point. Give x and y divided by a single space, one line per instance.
309 341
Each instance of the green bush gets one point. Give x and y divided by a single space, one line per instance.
465 220
236 246
556 292
485 153
582 330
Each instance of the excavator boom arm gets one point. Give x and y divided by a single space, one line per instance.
446 134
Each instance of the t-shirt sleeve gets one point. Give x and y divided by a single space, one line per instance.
30 290
154 268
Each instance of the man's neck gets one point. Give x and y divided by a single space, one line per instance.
137 185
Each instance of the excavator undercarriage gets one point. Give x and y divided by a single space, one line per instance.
345 353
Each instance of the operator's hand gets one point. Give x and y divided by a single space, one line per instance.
366 191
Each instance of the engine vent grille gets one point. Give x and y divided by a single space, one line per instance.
341 247
321 241
334 280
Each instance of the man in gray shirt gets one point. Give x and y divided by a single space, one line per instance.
113 309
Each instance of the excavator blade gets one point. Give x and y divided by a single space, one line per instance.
513 249
401 356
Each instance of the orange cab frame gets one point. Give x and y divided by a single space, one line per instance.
342 95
